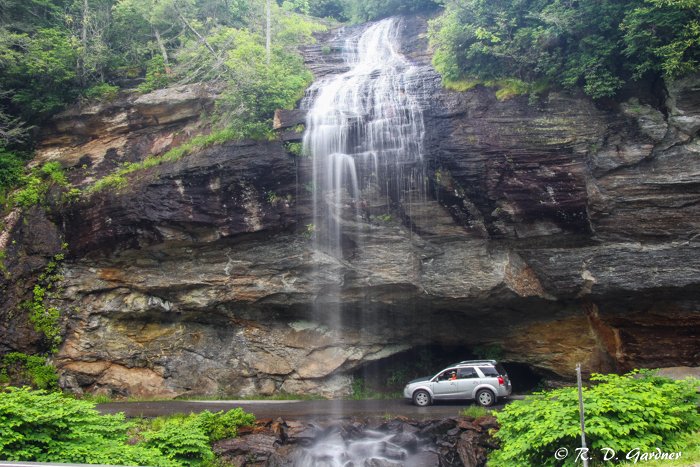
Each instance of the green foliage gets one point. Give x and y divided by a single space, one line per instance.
43 316
50 427
157 75
663 36
22 369
459 85
221 425
365 10
257 88
3 267
310 231
622 413
295 149
118 179
329 9
475 411
359 390
182 440
11 169
299 6
508 88
597 46
102 92
36 183
186 439
40 68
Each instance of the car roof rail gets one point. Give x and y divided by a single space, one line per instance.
474 362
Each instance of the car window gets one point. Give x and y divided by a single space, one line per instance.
489 371
501 370
467 372
446 375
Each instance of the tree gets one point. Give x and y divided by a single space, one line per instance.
598 46
663 36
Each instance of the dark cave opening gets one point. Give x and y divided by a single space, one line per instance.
523 377
388 376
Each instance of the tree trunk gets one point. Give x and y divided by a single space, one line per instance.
83 41
163 51
193 30
268 40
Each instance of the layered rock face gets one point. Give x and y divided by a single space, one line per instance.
559 231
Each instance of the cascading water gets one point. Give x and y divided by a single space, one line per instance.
365 134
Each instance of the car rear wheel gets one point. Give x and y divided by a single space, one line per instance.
421 398
485 398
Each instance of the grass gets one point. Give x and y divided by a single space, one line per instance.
475 411
506 88
460 85
95 398
118 178
509 88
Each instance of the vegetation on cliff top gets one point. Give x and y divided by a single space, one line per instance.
54 52
599 46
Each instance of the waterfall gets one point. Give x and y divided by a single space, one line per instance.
365 134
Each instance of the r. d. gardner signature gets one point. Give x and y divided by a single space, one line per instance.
608 454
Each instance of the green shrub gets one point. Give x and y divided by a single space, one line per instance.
50 427
103 92
11 168
639 411
296 149
43 316
182 440
459 85
29 369
595 46
157 75
185 439
36 184
475 411
221 425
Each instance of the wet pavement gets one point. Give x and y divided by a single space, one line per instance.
299 410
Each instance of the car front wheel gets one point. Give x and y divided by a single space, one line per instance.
485 398
421 398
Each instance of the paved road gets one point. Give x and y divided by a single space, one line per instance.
300 410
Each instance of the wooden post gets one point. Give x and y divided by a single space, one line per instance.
580 411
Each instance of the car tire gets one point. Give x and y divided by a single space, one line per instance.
421 398
485 398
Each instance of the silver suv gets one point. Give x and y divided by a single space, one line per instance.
482 380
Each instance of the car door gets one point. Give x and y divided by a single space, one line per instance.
444 387
467 379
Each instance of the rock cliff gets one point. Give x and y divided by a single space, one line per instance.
558 231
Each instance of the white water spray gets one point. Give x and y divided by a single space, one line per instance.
365 134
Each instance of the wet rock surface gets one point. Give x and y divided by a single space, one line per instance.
559 231
459 441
